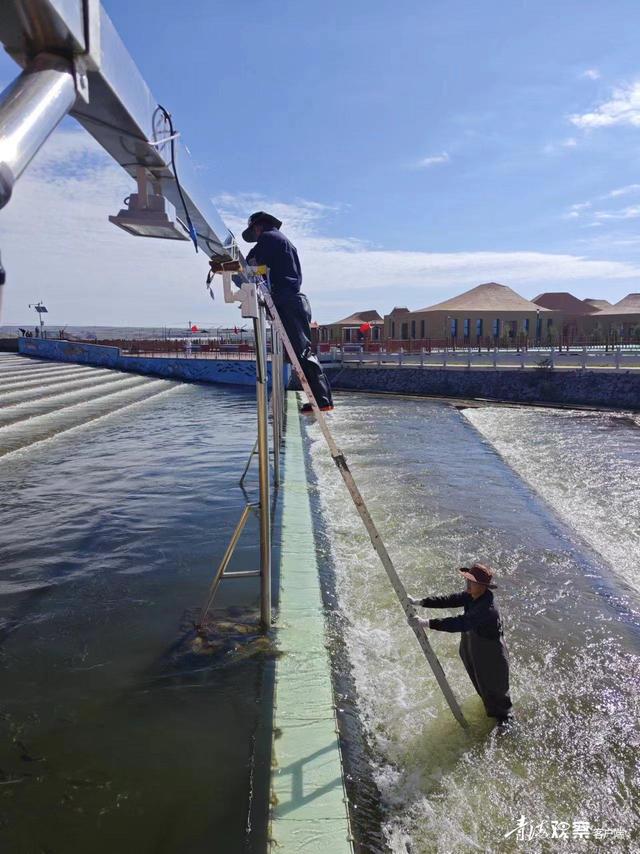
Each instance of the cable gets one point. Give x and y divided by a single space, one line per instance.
172 140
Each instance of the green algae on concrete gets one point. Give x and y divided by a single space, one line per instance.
309 812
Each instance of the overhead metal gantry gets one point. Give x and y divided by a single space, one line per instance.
75 63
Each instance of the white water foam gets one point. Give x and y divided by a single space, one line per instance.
586 465
442 497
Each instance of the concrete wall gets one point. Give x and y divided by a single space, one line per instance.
618 389
229 371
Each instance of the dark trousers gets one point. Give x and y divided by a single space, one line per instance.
487 663
295 313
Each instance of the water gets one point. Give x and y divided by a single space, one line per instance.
443 497
118 732
584 464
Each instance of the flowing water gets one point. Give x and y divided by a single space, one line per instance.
120 731
557 513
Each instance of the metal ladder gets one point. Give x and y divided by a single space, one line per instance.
253 296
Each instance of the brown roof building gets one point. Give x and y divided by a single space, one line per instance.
492 313
565 302
347 330
618 322
487 313
597 303
630 303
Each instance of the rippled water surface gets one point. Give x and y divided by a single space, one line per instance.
119 732
586 465
443 496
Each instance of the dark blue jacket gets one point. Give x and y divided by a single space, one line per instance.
281 257
480 615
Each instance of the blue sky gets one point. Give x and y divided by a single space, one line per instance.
414 150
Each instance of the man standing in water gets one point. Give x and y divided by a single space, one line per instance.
482 647
281 257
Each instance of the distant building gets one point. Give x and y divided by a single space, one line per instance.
494 314
396 324
570 313
598 303
347 330
487 313
617 322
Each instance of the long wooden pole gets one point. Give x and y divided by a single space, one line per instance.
341 462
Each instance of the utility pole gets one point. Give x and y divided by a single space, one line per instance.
41 308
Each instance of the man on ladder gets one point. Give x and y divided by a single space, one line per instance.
275 251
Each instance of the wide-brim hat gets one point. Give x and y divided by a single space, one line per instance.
261 217
479 573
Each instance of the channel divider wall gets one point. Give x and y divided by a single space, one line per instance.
309 805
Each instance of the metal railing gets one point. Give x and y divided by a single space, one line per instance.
583 358
484 343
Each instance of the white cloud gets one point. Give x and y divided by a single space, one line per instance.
433 160
577 210
584 209
630 212
622 191
623 108
591 74
303 216
554 148
59 246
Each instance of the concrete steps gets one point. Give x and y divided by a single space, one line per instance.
40 400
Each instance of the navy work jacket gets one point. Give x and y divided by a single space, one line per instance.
281 257
480 615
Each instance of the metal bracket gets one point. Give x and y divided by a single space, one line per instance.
246 295
81 78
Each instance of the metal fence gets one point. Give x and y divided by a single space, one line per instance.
190 348
484 343
581 358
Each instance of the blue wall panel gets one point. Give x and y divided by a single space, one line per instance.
201 370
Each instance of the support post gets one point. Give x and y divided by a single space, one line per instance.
277 397
224 563
259 328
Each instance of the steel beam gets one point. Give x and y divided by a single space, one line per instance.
117 108
30 109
